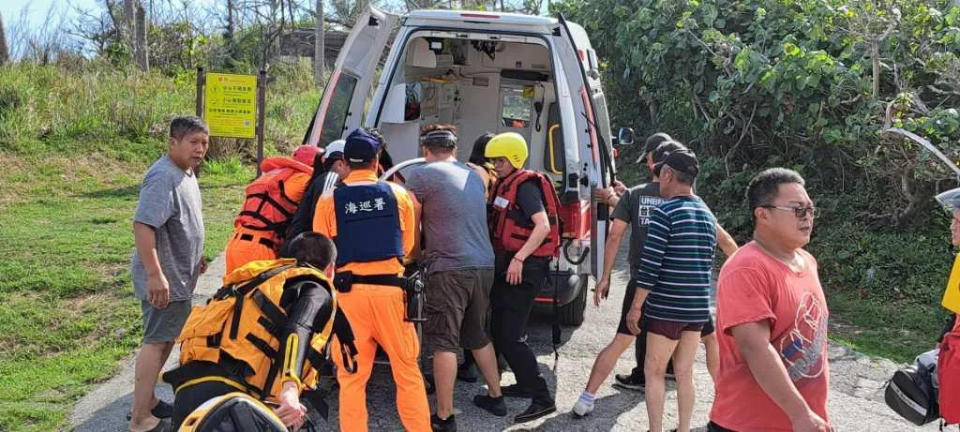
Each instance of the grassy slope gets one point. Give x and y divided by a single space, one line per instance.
73 147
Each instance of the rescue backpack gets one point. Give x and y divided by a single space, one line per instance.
268 206
239 329
912 391
507 225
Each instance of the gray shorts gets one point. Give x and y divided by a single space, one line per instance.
163 325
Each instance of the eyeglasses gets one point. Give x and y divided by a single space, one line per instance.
799 212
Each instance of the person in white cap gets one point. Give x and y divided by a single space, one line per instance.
334 169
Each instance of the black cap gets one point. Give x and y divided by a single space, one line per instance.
683 161
361 147
439 138
665 148
654 141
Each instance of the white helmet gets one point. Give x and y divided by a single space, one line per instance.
950 200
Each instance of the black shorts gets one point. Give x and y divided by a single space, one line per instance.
708 328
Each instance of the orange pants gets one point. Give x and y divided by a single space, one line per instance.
249 245
376 315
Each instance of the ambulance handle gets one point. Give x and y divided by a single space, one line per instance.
553 162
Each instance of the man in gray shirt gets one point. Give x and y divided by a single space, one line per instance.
459 260
168 260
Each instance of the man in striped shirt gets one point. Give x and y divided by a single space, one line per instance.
674 285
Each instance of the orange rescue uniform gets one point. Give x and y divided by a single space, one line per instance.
376 313
248 244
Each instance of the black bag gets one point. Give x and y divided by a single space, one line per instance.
910 393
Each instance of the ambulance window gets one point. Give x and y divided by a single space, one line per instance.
336 115
516 108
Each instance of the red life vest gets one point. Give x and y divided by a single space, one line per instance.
267 206
948 369
508 226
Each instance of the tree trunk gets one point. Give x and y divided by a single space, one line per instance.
319 52
4 52
230 34
127 30
140 47
875 53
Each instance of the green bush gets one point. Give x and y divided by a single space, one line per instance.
756 84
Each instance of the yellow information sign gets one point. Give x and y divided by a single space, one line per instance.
230 105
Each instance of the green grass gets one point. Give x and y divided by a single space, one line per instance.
74 145
67 311
897 331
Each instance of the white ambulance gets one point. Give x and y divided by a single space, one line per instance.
488 72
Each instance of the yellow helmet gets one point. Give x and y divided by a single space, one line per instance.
510 145
223 413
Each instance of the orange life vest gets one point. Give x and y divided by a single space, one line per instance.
240 326
508 226
268 205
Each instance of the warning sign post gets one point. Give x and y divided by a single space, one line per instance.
233 105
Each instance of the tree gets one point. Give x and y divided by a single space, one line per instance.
4 52
318 50
140 40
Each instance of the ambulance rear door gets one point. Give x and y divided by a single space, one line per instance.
341 107
592 138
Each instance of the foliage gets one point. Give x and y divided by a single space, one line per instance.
773 82
74 143
810 85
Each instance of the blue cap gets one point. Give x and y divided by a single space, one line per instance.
361 147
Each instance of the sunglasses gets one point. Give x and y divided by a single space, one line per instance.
799 212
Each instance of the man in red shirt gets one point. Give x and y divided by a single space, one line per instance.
772 318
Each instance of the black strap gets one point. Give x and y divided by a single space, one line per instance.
344 281
270 310
348 349
262 240
316 358
262 345
239 293
557 332
315 401
272 354
269 326
283 194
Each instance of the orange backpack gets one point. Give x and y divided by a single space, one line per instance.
240 324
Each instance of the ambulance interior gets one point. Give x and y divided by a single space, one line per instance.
479 85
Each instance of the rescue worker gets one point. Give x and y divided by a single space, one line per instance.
271 201
262 333
373 224
481 165
948 366
467 370
525 235
329 170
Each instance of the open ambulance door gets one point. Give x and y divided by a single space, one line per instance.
593 146
341 107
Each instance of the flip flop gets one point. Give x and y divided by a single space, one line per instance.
161 410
